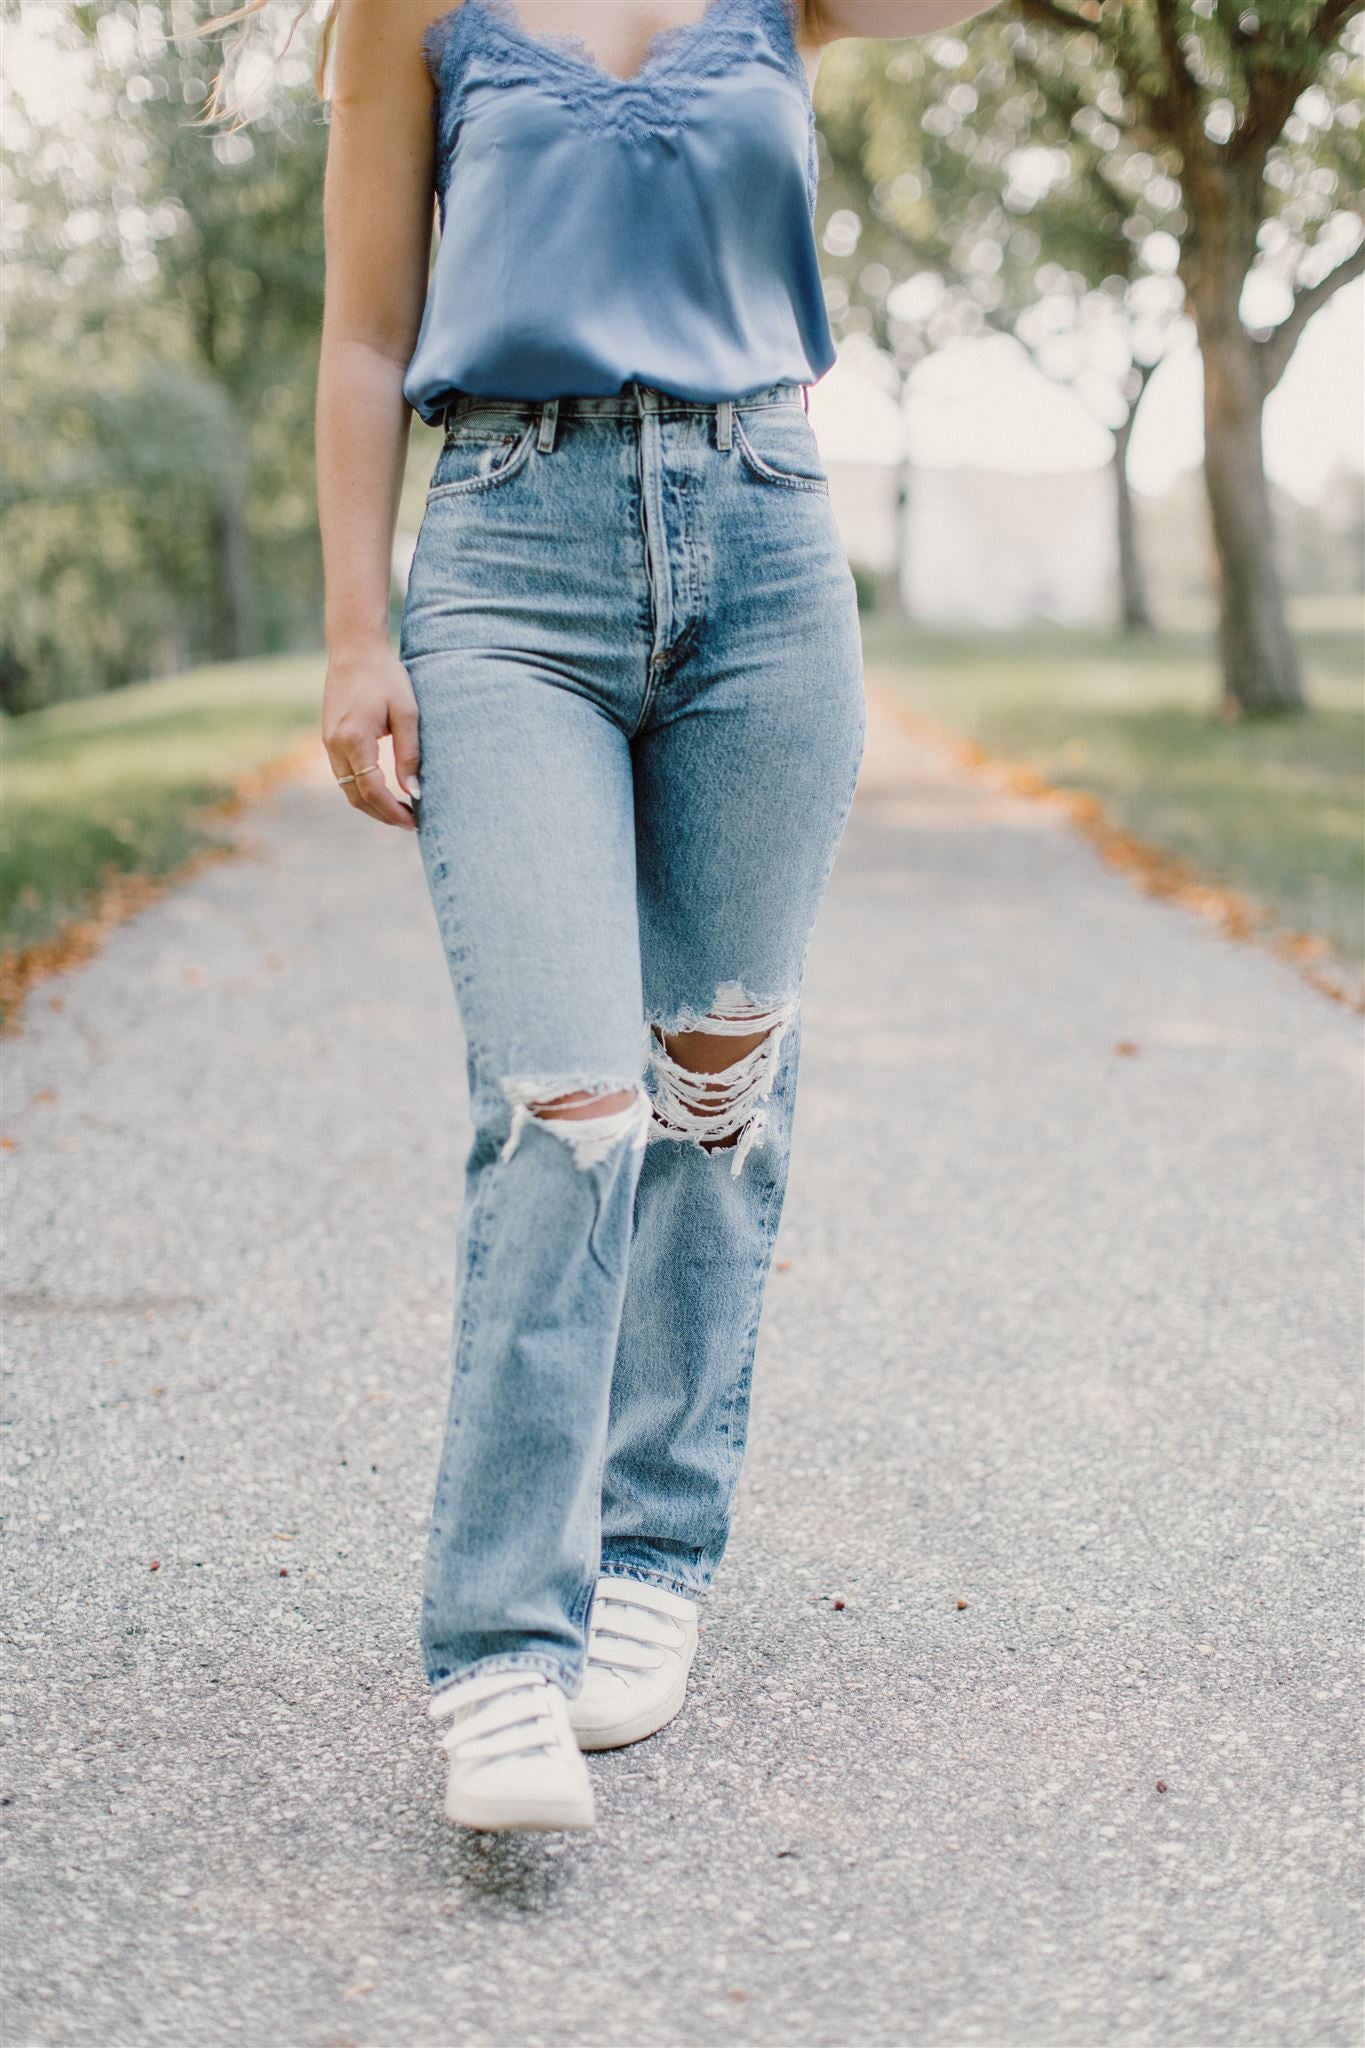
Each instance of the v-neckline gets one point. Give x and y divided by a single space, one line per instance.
667 44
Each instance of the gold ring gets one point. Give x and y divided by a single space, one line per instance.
373 769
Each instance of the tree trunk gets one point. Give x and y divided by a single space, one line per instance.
1261 675
902 530
234 607
1135 611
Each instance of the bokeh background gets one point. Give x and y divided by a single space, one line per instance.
1094 435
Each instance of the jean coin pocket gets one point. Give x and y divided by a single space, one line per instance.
778 445
478 457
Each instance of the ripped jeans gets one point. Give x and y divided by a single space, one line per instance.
633 636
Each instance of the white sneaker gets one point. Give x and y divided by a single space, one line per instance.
640 1650
514 1763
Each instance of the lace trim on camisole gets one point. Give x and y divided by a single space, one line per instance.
655 100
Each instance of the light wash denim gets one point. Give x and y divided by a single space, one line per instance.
633 636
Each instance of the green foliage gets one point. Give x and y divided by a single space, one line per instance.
120 784
164 294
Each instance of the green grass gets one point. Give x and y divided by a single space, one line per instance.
121 783
1270 807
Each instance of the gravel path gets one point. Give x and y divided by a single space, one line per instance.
1025 1708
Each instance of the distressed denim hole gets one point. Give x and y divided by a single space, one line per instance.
592 1120
716 1102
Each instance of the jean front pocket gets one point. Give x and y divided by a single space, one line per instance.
778 445
478 455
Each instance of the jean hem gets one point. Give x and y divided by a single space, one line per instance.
651 1577
510 1660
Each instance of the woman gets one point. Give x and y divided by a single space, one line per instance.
626 718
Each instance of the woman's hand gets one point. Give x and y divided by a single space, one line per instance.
368 694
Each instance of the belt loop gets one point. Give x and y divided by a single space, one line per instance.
805 396
549 414
724 419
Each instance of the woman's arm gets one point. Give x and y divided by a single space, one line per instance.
824 21
378 216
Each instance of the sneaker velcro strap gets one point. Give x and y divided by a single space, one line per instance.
639 1593
614 1619
494 1716
605 1648
518 1741
486 1685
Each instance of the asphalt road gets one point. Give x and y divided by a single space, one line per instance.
1026 1708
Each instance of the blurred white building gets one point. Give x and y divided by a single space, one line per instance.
987 547
982 513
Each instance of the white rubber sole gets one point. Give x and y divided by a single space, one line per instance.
528 1817
638 1727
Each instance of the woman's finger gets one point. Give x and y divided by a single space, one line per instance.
371 793
364 788
406 751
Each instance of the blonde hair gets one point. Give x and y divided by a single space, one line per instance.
220 105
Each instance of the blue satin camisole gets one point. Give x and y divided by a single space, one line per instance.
598 230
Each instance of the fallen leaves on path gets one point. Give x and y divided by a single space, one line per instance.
1168 876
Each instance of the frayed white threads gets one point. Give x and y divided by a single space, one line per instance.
591 1139
709 1109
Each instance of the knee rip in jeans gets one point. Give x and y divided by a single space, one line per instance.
591 1121
707 1101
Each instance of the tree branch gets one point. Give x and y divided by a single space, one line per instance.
1179 101
1229 15
1334 16
1278 94
1274 352
1049 15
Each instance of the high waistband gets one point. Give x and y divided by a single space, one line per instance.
631 402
